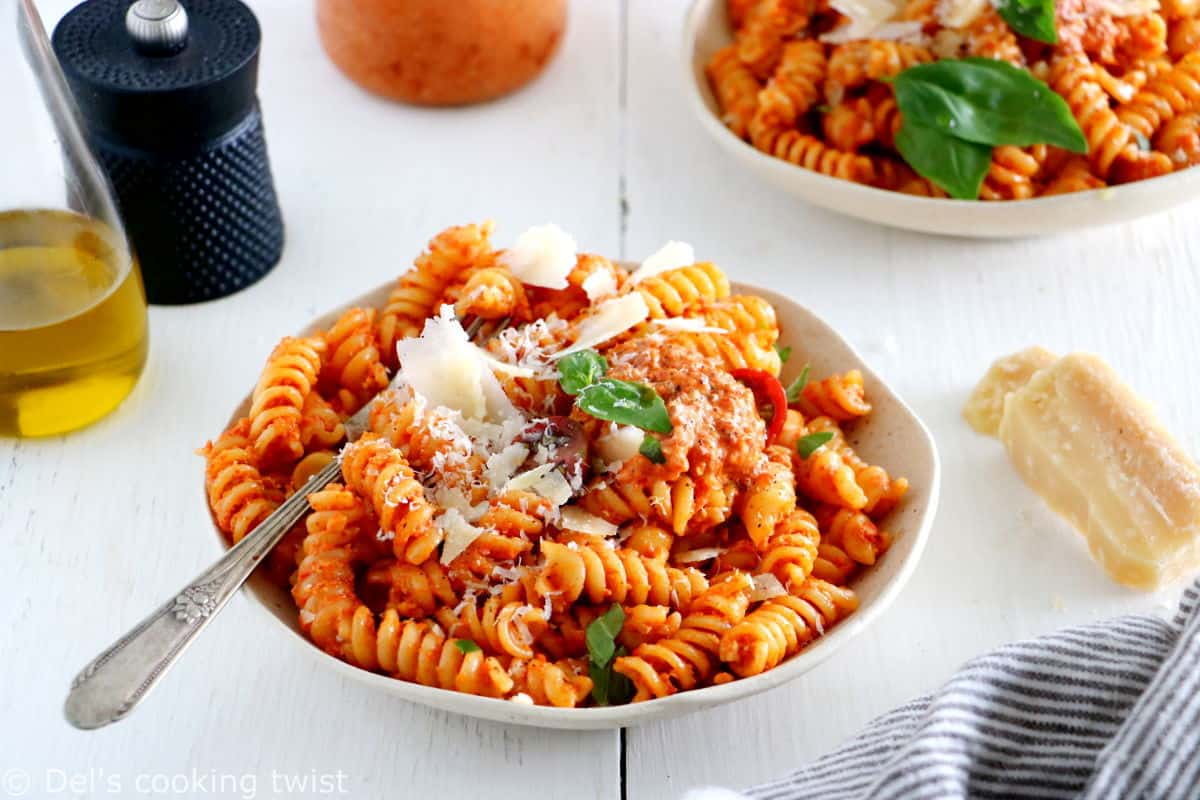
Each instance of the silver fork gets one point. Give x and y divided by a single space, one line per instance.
115 681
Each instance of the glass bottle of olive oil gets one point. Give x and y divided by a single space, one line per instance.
72 309
72 321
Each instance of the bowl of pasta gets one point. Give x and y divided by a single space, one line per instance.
917 114
618 493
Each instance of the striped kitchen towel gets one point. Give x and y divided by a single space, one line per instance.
1107 711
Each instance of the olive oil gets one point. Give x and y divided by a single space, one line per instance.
72 322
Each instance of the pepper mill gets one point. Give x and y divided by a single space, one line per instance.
168 100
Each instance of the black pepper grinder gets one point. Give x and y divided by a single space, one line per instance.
169 103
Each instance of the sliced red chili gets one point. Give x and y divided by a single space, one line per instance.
768 391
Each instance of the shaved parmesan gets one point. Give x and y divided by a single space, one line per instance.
459 534
699 554
610 318
542 256
601 283
580 521
671 255
515 370
871 19
444 367
958 13
620 444
766 586
544 481
521 698
687 324
1126 8
503 465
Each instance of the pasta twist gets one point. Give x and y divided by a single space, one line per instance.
237 494
734 349
420 652
853 532
673 292
1075 176
278 400
492 293
648 623
833 564
563 684
783 626
736 89
352 365
691 656
378 471
796 85
770 22
849 126
649 540
587 567
1108 138
417 292
770 498
413 590
501 626
790 552
855 63
989 36
824 476
1180 140
1012 173
320 424
840 397
882 491
676 503
1184 37
1174 92
810 152
324 588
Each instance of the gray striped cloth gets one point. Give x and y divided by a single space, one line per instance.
1107 711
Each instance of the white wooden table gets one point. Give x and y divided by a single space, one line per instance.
99 526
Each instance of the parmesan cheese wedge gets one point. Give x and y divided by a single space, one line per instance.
576 519
686 324
459 534
1098 456
986 404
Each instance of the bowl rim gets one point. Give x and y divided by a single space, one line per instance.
699 10
259 591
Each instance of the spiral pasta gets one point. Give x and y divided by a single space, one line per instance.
736 88
278 400
498 555
1174 92
781 627
413 300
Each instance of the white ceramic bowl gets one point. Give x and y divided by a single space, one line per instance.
706 30
892 436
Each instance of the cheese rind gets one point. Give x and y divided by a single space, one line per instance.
1098 456
986 403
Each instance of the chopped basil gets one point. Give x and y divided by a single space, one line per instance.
812 442
651 448
1031 18
581 369
466 646
797 386
608 687
625 403
784 353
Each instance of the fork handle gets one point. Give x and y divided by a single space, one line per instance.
115 681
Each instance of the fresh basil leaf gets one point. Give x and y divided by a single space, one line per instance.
988 102
1031 18
784 353
625 403
466 646
797 386
812 442
956 166
651 448
607 687
581 369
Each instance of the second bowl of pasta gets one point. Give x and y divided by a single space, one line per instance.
809 99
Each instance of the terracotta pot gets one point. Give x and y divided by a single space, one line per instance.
441 52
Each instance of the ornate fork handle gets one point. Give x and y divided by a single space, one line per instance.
115 681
